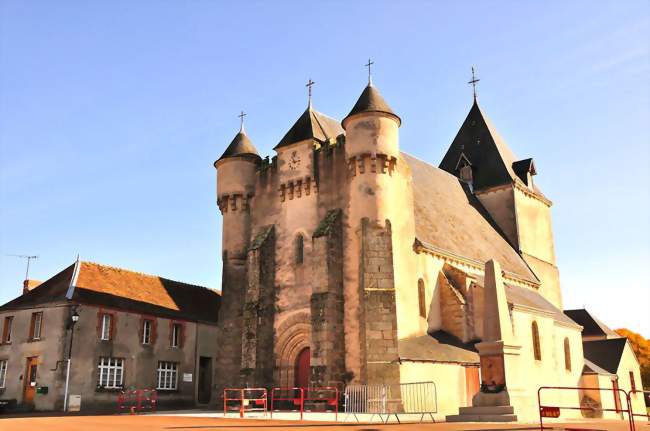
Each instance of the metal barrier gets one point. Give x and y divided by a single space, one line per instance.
293 396
554 411
245 400
381 400
137 400
645 395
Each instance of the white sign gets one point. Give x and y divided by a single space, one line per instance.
187 377
74 403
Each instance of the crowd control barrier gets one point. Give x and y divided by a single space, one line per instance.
287 399
646 396
305 400
245 400
385 401
137 400
553 411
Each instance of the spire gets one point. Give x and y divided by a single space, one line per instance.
311 125
371 101
241 145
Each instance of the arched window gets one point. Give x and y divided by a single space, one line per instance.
422 299
537 350
300 249
567 355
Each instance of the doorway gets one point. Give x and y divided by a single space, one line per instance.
30 380
302 369
205 379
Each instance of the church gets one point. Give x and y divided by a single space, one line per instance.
349 261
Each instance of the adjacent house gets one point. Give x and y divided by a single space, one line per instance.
130 330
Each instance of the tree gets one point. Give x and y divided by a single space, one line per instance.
641 347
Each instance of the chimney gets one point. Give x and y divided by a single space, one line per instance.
29 285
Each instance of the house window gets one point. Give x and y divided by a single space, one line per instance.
422 299
147 325
111 373
300 249
632 382
567 355
167 379
106 327
3 372
537 351
35 327
176 335
6 331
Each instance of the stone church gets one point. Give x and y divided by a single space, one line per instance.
348 261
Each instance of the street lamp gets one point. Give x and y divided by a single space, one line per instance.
74 318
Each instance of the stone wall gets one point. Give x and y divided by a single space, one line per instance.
327 335
378 310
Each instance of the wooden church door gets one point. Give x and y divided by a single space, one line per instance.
301 374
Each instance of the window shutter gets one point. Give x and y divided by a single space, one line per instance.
113 328
31 326
181 336
99 324
154 330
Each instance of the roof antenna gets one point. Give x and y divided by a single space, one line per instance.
29 259
370 63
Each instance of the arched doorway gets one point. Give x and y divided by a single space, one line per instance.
301 374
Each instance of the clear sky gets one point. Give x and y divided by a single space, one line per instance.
112 113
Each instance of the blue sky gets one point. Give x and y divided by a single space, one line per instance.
111 114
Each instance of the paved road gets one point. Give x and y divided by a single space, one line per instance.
183 423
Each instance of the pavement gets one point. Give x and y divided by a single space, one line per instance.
163 421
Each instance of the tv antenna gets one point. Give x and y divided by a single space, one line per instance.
29 260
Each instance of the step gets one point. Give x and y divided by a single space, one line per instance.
490 410
482 418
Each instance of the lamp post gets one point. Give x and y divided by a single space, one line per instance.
73 321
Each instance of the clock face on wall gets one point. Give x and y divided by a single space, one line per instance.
294 161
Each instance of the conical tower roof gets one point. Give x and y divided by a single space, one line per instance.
241 145
311 125
371 101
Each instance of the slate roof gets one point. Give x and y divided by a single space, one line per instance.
450 218
529 298
592 327
606 354
123 289
241 145
371 101
437 347
591 368
311 125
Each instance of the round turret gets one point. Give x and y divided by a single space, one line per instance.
236 173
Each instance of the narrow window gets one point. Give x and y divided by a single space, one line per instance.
567 355
110 373
107 323
3 372
537 351
422 299
35 326
176 335
167 376
300 249
6 331
632 382
146 331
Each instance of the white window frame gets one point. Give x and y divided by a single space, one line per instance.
147 324
3 372
167 376
106 327
176 334
38 323
109 369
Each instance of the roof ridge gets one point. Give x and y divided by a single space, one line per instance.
142 273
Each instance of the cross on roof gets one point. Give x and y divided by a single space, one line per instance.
473 82
309 85
241 121
370 63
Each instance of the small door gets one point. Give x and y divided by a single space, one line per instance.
205 379
302 369
30 380
471 383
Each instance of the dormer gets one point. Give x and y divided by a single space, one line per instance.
525 169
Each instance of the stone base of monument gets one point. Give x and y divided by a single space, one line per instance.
486 408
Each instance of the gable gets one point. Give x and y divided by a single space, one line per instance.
605 353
